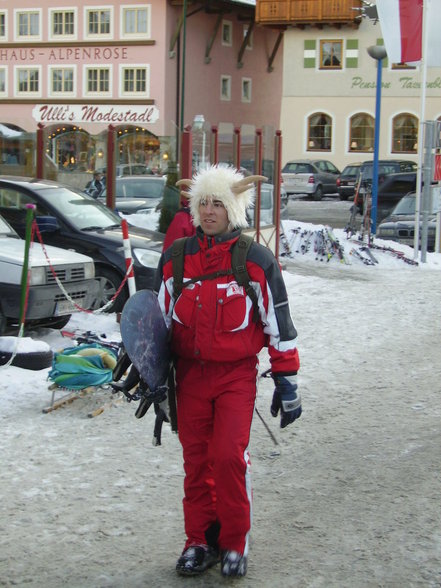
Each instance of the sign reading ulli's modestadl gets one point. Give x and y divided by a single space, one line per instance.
98 113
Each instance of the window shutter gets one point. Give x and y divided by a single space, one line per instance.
309 53
351 53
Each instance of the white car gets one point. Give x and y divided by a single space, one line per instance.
47 304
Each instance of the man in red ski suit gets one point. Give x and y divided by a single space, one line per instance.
215 343
182 223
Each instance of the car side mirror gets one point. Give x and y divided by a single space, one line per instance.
47 224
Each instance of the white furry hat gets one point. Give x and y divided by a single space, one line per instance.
226 184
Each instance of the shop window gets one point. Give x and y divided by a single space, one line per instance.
246 90
134 80
3 25
3 78
227 33
250 38
98 80
330 54
61 80
319 132
62 23
361 132
225 88
28 25
98 22
135 21
404 134
28 80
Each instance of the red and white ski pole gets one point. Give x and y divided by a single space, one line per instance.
128 256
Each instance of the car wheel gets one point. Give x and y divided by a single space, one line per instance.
109 282
30 360
318 194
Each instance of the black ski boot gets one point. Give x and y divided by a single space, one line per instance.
196 559
233 564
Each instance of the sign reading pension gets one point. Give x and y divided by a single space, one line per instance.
95 113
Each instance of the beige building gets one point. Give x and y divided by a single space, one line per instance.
329 96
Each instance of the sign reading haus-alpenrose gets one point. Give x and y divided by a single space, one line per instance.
94 113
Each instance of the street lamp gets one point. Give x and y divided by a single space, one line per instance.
199 125
377 52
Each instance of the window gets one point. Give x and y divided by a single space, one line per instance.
134 80
98 80
330 54
319 132
28 25
98 22
3 88
250 38
227 33
3 25
246 90
136 21
361 132
225 88
28 80
62 23
404 134
61 80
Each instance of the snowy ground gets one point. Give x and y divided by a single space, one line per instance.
348 498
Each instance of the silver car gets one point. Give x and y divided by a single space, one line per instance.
399 226
314 177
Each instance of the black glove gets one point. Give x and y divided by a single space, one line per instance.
286 399
149 397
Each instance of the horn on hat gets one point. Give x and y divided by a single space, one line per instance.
184 182
245 183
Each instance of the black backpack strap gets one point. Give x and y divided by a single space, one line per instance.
178 247
239 265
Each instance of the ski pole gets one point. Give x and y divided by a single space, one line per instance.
266 374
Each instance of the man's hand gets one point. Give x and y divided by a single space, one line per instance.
286 399
149 397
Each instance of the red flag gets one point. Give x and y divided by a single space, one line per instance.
401 23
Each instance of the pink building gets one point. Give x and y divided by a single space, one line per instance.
138 66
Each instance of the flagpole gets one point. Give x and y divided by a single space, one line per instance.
416 240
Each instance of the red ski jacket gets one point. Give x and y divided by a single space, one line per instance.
212 319
181 226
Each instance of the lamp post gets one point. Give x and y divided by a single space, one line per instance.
377 52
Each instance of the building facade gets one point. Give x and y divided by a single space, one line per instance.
329 95
138 66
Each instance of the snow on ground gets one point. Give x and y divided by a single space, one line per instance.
348 498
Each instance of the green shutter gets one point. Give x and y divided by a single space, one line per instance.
351 53
309 53
385 60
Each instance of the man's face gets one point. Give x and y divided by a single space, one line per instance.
214 217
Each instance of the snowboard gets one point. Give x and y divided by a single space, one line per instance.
145 337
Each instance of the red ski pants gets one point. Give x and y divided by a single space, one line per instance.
215 403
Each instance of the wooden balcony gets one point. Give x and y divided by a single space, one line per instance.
308 12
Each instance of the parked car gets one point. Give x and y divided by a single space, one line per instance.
385 168
128 169
347 180
390 191
73 220
399 226
46 303
310 176
137 194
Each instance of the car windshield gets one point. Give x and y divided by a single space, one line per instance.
407 204
6 229
80 210
140 189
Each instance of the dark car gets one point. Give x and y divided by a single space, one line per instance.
313 177
137 194
399 226
347 180
70 219
390 191
128 169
